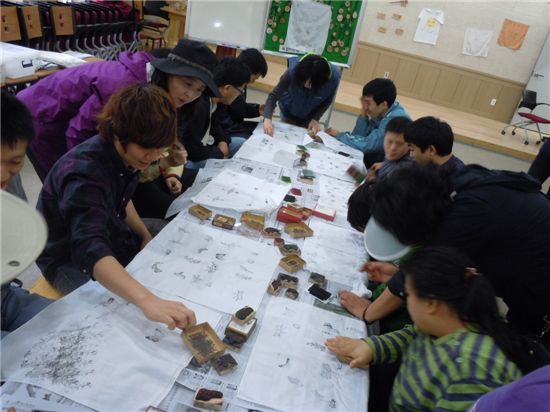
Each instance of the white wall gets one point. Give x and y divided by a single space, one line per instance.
489 15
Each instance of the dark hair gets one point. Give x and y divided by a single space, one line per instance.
445 274
231 71
16 121
430 131
359 207
254 60
398 124
143 114
315 68
411 202
381 90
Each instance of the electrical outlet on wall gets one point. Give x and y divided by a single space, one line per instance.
493 102
386 75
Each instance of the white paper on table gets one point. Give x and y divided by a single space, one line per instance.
212 267
335 252
334 194
476 42
79 345
290 367
285 132
336 145
22 396
212 168
429 24
262 147
330 164
240 192
308 26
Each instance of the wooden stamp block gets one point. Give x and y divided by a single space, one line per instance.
298 230
223 221
224 364
275 287
319 292
208 399
278 241
292 294
288 281
288 215
253 221
233 341
243 330
200 212
292 263
244 315
203 342
324 213
290 249
271 232
318 279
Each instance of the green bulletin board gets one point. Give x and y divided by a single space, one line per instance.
342 35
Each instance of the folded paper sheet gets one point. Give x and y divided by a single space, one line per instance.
241 192
207 265
291 369
78 346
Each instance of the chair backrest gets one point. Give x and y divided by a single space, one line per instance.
63 20
529 99
11 31
32 22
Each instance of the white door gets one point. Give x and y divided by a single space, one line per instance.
540 83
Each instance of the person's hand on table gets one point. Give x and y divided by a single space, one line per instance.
173 314
314 126
173 184
224 148
268 127
354 304
379 271
332 132
356 351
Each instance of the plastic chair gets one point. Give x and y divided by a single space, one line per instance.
529 101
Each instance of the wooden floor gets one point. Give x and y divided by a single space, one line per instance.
468 128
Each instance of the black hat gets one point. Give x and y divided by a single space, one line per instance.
191 59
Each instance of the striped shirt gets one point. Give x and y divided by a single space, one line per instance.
444 374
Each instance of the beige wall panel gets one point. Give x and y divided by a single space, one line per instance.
486 92
507 102
466 92
365 63
425 81
445 87
386 63
407 71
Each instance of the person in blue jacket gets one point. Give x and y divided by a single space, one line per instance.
304 92
378 107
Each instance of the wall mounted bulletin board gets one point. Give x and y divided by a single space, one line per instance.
294 27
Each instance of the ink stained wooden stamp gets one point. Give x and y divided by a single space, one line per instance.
298 230
225 222
290 249
200 212
203 342
318 279
275 287
208 399
243 330
244 315
253 221
288 281
224 364
271 232
292 263
233 341
291 294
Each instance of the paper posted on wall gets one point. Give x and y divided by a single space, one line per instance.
429 24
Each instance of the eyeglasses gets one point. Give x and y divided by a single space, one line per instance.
241 91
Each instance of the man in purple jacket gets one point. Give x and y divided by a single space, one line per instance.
64 105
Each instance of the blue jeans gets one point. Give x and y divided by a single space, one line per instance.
19 306
234 146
